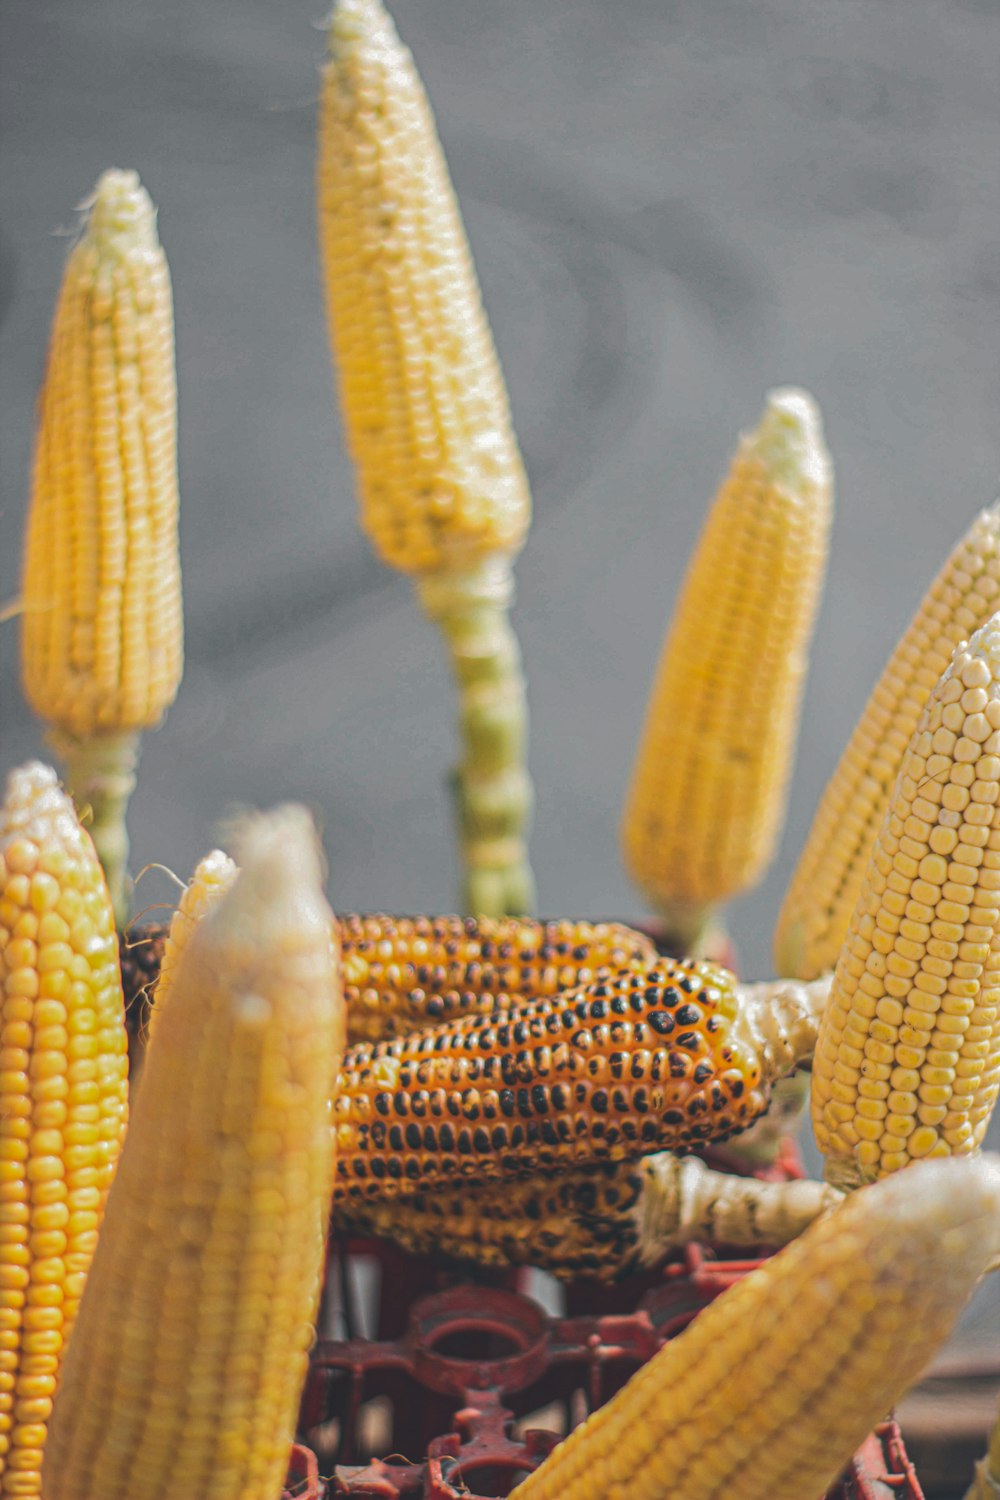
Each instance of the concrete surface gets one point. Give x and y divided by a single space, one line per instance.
675 205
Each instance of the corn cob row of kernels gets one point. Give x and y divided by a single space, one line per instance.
101 623
63 1098
185 1369
403 972
908 1059
211 879
773 1386
607 1222
825 887
639 1061
707 797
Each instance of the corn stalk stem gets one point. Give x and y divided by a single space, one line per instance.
490 786
99 773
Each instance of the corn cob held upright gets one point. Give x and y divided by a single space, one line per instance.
185 1370
63 1098
101 624
607 1222
211 879
707 798
827 881
908 1058
666 1057
441 483
773 1386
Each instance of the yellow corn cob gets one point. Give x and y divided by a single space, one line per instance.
707 798
606 1222
401 973
442 487
212 877
827 881
191 1344
766 1395
101 623
639 1061
63 1097
908 1058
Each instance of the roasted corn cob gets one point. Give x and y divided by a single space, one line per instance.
773 1386
639 1061
607 1222
404 972
191 1344
101 621
212 877
63 1098
908 1058
401 973
441 483
707 798
827 882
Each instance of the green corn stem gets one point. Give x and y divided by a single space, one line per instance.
491 788
99 773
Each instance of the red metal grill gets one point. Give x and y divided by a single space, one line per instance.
485 1366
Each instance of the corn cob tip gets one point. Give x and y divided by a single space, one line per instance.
37 808
280 884
352 20
789 439
121 217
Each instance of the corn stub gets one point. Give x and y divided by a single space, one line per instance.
707 798
827 881
641 1060
212 877
101 622
440 478
908 1058
607 1222
769 1391
404 972
63 1098
190 1349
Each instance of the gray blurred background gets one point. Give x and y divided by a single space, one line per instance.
674 205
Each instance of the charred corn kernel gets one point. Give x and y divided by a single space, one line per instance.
101 621
842 1321
908 1058
639 1061
404 972
191 1344
707 798
58 1145
607 1222
827 881
212 877
441 483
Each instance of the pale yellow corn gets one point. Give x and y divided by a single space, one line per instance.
828 878
440 477
907 1062
773 1386
707 797
212 877
101 623
185 1370
63 1098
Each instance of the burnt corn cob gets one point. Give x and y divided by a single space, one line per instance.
771 1388
404 972
639 1061
607 1222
